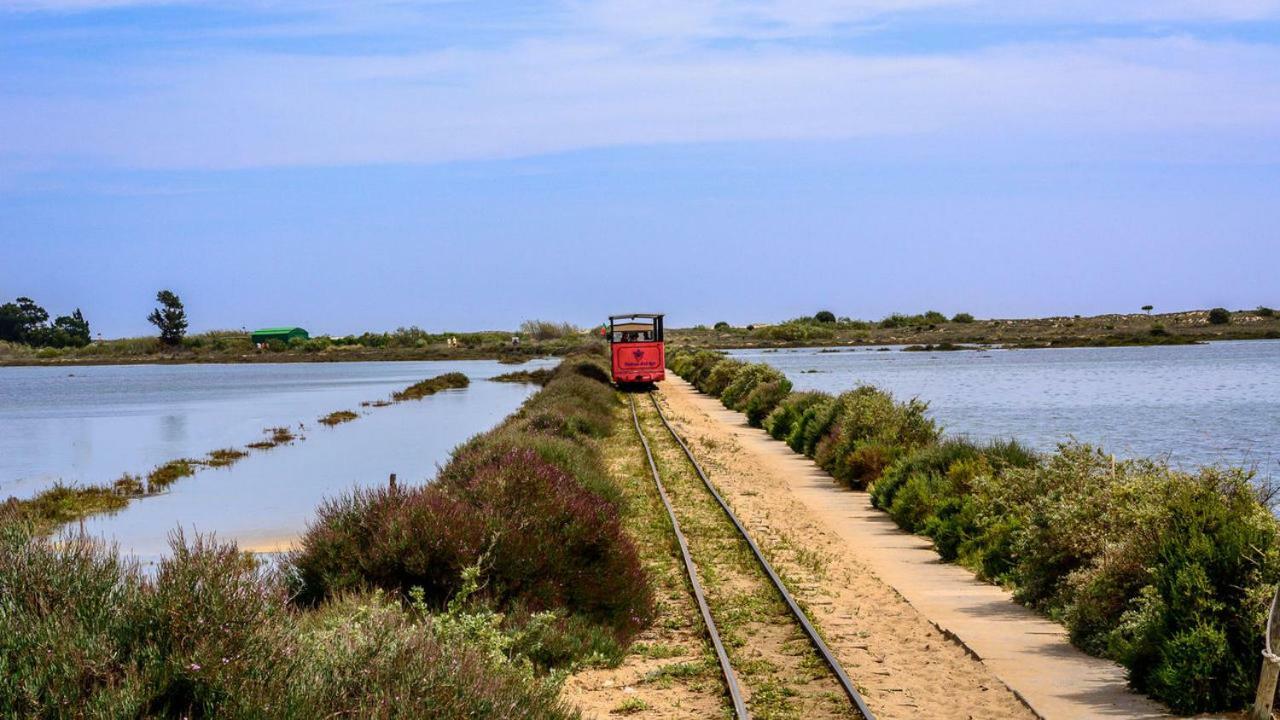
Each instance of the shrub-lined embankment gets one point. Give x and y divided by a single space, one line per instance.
529 504
450 600
1167 572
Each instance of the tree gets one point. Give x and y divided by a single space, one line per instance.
722 325
1219 316
824 316
962 317
22 320
71 330
1148 308
170 317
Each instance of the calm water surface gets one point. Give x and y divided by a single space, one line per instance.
91 424
1194 404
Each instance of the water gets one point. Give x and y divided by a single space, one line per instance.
91 424
1192 404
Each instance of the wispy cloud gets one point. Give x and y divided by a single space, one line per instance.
597 78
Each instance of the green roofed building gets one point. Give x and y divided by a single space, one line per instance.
283 334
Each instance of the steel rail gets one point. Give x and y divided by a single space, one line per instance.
854 696
730 679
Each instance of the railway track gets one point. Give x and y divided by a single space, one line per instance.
732 684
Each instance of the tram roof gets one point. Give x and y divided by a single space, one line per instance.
637 315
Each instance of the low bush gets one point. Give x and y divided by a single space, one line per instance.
787 413
720 376
1219 316
210 634
870 432
541 539
962 317
748 378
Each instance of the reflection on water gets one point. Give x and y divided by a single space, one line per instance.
108 420
1196 404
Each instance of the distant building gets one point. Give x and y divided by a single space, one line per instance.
283 334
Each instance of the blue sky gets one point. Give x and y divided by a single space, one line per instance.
349 166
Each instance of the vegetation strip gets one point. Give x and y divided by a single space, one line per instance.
1167 572
540 376
431 386
801 617
726 669
933 331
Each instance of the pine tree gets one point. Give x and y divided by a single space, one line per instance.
170 318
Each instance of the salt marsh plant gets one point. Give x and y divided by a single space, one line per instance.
224 457
211 634
431 386
541 376
338 417
167 474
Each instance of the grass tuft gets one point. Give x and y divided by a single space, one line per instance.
169 473
224 457
338 417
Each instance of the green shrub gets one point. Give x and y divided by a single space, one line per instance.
795 331
1219 316
1264 311
540 538
719 376
962 317
932 460
871 432
763 398
824 316
722 325
787 413
813 426
734 396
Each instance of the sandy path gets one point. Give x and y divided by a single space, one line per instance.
904 666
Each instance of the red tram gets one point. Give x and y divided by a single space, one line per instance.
635 348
